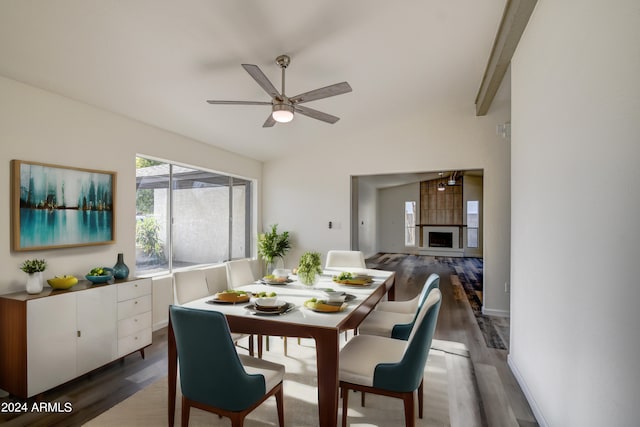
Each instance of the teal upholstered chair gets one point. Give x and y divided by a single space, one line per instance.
395 319
390 367
213 376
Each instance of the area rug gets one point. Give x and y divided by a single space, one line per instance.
149 406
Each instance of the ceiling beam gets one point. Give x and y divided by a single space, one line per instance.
514 20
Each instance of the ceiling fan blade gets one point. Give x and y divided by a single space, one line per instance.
315 114
325 92
269 122
257 74
239 102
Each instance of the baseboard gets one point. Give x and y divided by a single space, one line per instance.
160 325
527 393
494 312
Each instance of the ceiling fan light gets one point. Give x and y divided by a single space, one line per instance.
451 181
282 113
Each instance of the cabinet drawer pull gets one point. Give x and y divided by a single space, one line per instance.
79 334
136 302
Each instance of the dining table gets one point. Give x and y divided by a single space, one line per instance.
298 320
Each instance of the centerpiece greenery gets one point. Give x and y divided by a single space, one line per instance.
309 267
33 265
273 245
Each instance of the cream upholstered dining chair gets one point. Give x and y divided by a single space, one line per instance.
191 285
410 306
391 367
239 273
345 260
398 324
213 376
341 260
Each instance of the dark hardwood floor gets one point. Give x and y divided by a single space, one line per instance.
93 394
502 399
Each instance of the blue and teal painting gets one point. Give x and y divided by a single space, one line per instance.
64 207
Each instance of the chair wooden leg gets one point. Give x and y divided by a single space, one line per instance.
285 345
237 419
251 345
345 404
421 398
186 408
362 398
259 346
280 405
266 340
409 410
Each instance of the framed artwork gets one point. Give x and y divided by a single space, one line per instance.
58 206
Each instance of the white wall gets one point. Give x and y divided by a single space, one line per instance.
318 180
367 219
40 126
391 226
575 204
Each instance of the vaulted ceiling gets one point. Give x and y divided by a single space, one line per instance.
157 61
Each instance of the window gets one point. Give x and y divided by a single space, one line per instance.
186 217
473 221
410 223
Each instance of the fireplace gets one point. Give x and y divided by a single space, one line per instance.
438 239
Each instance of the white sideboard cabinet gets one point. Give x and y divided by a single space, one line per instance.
55 336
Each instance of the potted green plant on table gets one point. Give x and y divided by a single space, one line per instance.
309 268
34 269
273 245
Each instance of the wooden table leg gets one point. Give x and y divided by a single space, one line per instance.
327 359
172 356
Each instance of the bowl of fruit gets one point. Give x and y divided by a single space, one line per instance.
62 282
100 275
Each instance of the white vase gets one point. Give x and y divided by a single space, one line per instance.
34 283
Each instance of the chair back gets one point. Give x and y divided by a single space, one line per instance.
239 273
405 375
345 259
189 285
210 369
402 331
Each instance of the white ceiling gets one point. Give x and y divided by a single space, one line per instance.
157 61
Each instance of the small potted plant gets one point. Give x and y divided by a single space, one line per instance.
309 267
34 269
273 245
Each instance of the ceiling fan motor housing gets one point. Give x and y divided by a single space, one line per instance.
282 112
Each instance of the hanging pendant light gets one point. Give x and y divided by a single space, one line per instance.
441 186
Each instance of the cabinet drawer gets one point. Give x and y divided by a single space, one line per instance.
134 324
134 342
134 306
134 289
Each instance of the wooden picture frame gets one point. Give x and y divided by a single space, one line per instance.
56 206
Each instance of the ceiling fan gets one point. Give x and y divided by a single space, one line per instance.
283 106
